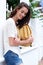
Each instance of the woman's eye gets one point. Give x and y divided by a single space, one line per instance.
22 11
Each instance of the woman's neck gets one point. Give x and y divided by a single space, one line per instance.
15 18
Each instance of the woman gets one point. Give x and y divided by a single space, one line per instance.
19 16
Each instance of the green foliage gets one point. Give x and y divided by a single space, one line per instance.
34 4
13 3
7 14
30 0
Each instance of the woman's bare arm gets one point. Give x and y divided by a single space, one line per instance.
17 42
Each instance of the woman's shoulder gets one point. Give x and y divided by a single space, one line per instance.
9 19
10 22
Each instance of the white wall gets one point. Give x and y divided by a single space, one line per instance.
31 57
2 21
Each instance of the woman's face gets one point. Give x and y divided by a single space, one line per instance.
21 13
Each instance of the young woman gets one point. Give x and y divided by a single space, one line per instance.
19 16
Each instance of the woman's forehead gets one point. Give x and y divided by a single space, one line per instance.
24 9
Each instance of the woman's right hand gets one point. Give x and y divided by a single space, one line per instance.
26 42
29 40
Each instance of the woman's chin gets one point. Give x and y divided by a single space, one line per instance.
20 18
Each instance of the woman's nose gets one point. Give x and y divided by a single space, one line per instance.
23 15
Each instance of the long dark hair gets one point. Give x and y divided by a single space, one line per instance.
26 19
